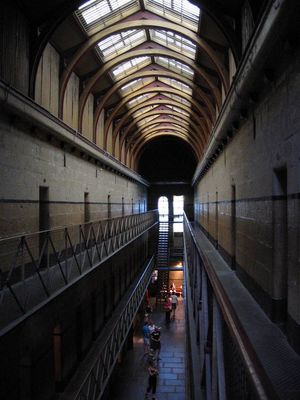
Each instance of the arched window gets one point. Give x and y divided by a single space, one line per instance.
163 209
178 203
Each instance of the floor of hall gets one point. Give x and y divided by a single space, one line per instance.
131 380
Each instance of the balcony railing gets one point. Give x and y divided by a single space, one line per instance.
90 382
236 352
35 267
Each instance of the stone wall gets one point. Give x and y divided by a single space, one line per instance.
248 202
77 189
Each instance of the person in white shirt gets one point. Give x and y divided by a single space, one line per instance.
174 303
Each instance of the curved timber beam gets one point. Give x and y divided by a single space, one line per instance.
155 90
217 15
142 24
49 25
159 113
154 124
155 73
165 102
142 53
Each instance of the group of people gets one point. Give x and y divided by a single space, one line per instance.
151 338
152 346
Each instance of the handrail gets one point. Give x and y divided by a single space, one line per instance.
57 228
261 385
35 267
90 383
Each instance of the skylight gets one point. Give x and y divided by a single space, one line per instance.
175 65
127 67
179 110
179 99
146 120
135 85
121 42
174 41
139 99
98 11
144 110
182 10
176 84
130 84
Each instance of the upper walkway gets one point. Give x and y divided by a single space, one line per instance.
36 267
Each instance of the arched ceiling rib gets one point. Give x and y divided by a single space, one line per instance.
156 71
161 114
51 15
140 53
142 24
184 73
160 124
155 90
164 102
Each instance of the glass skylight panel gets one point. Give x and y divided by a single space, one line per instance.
99 11
175 65
96 11
116 4
176 84
175 41
121 42
135 85
179 110
86 4
128 85
139 99
127 67
146 120
179 99
188 9
144 110
182 9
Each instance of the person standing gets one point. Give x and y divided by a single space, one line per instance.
152 380
151 326
148 309
155 342
146 337
174 301
167 308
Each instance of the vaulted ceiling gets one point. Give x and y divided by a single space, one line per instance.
155 67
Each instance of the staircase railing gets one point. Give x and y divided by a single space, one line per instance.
34 267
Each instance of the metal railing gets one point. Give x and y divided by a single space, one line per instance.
34 267
90 383
223 363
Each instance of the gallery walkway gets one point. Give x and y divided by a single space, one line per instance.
130 382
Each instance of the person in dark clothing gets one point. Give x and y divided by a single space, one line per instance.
152 380
148 309
155 342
